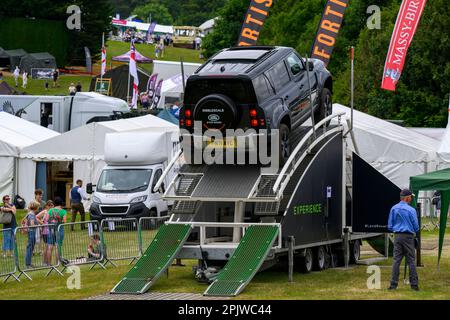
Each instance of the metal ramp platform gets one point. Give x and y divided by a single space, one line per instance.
245 262
156 259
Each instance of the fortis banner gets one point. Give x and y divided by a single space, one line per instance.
329 26
254 21
407 21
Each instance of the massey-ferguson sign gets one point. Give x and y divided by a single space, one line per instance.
407 21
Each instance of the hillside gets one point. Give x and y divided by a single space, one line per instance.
422 94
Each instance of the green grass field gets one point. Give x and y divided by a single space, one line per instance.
336 283
37 87
114 48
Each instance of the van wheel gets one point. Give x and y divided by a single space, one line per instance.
325 107
320 258
306 262
285 143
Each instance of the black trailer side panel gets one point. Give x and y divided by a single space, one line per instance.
314 213
373 197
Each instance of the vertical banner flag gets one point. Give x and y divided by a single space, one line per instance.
157 95
329 27
254 21
150 30
87 52
133 73
103 71
405 27
151 84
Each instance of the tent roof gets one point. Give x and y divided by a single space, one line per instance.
16 52
388 141
6 89
126 57
208 24
87 142
41 56
168 116
17 133
436 180
3 54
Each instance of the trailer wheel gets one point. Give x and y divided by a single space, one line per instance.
355 251
306 263
320 258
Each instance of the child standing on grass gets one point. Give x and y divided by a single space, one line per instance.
30 222
48 232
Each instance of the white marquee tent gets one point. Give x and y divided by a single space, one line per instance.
395 151
16 134
85 147
444 147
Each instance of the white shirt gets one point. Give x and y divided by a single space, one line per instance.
82 193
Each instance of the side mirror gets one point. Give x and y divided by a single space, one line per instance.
311 65
89 188
296 69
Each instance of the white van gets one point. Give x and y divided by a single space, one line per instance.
135 162
63 113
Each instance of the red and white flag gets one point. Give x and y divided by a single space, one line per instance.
103 71
134 74
405 27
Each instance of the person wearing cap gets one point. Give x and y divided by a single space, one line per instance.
404 224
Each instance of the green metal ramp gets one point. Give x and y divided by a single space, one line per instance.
245 262
156 259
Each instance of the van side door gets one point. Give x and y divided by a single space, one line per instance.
161 205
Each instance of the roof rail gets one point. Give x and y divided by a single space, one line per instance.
252 48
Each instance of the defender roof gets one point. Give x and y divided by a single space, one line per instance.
248 61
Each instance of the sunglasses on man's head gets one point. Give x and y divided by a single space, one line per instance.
7 199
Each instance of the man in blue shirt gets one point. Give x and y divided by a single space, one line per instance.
404 224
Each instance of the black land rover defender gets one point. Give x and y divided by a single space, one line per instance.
259 87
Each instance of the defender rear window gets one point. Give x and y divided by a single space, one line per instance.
238 90
262 88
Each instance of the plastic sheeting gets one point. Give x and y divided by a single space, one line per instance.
6 176
27 179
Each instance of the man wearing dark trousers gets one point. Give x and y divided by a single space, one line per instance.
77 194
404 224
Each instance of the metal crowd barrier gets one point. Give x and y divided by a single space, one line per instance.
35 249
74 245
148 227
120 238
8 261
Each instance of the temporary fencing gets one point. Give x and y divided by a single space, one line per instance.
43 247
120 238
148 227
8 265
82 245
35 249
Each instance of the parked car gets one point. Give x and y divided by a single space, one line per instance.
259 87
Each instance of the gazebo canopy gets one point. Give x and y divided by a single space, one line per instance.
440 181
126 58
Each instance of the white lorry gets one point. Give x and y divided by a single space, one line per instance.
135 162
64 113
